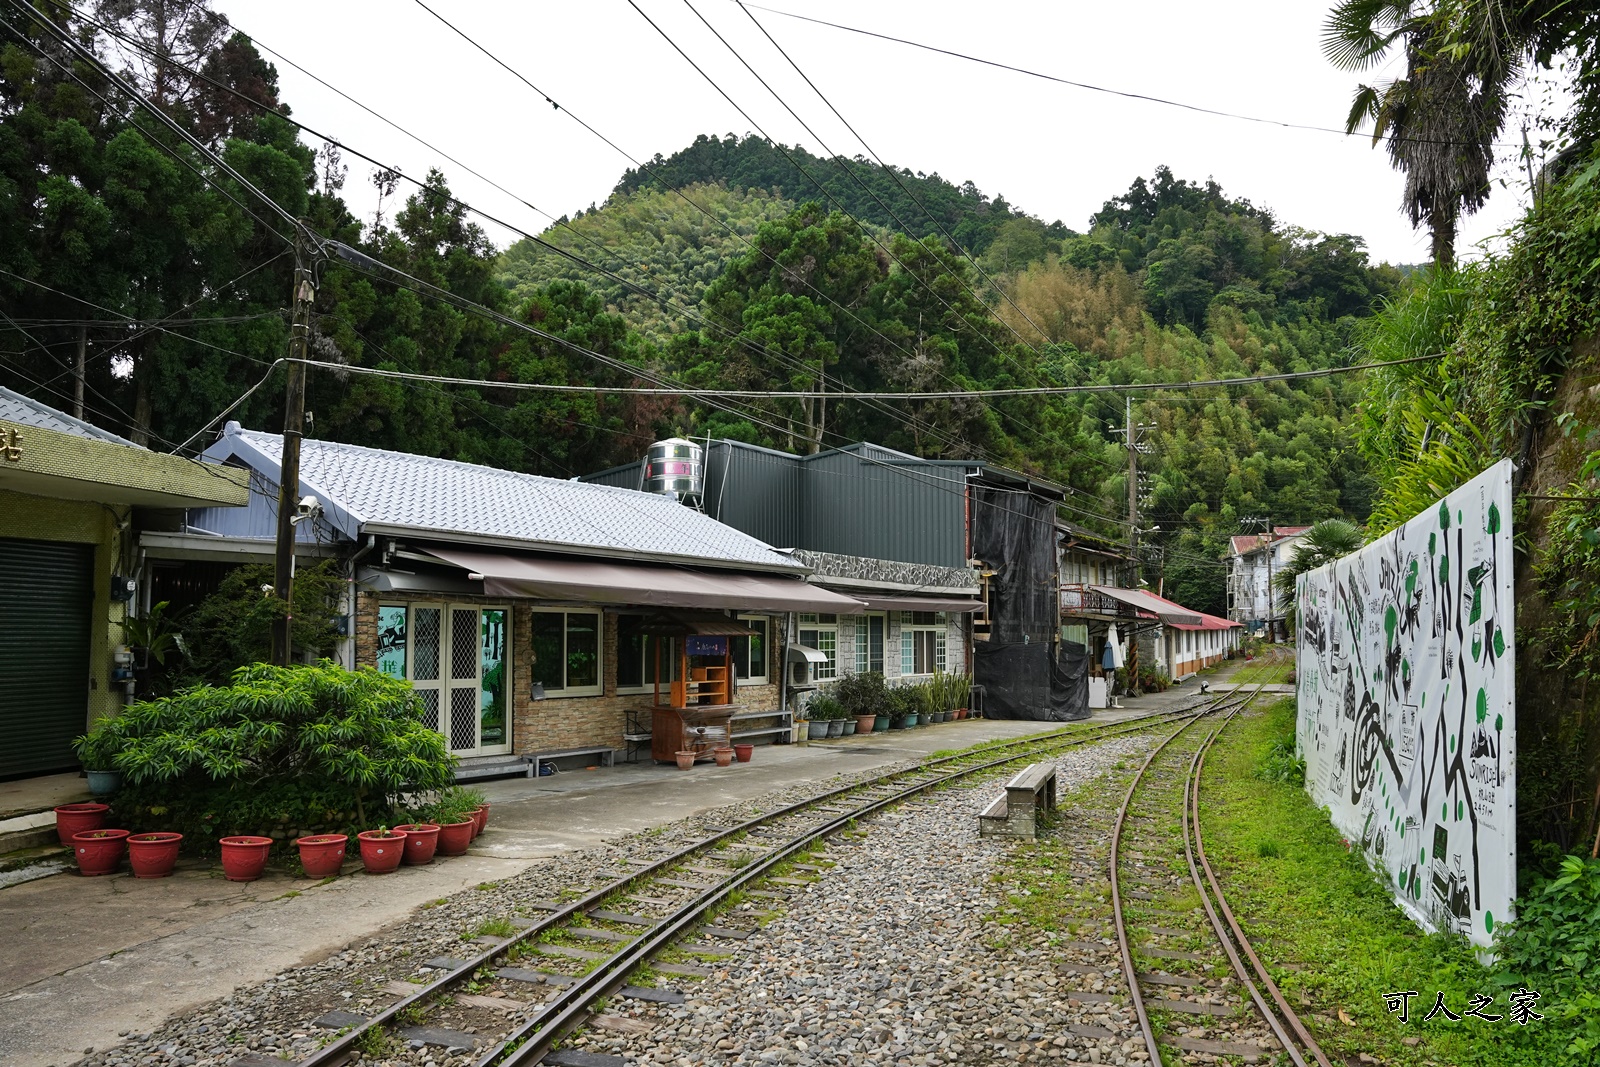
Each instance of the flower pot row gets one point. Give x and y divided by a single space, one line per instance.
724 756
99 850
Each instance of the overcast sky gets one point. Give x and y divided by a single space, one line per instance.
1056 151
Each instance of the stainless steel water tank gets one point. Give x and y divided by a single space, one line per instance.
675 468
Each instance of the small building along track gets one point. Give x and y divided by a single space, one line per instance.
642 913
1172 972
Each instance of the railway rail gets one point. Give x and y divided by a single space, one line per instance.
607 917
1168 783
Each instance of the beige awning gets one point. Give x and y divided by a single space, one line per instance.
604 582
1153 605
919 603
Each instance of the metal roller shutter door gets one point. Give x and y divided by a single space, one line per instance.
46 599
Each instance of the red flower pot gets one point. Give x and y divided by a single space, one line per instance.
99 851
76 818
381 853
483 818
723 756
322 854
153 855
744 752
422 838
244 857
454 837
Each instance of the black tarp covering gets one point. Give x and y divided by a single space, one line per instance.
1023 674
1024 681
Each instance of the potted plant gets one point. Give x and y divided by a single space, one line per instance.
820 713
723 756
99 851
902 706
686 758
153 855
743 751
850 724
836 714
422 839
322 854
381 849
861 696
244 857
73 819
455 836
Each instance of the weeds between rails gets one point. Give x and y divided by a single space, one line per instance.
1281 1020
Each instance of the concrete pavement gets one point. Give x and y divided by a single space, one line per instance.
84 960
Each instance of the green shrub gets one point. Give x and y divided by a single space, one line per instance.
444 806
862 693
903 700
1280 763
282 747
1554 948
824 707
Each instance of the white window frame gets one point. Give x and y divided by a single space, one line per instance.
765 677
598 689
908 641
811 623
863 653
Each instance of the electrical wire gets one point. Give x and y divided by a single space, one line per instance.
779 394
1144 97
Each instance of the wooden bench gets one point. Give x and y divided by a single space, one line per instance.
1016 812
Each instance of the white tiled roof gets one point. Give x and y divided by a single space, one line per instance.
377 487
14 407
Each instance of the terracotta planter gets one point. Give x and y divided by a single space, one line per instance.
322 854
744 752
74 819
153 855
422 838
724 756
244 857
483 817
99 851
865 724
380 852
685 757
454 837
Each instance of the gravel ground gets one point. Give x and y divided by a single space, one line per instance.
890 958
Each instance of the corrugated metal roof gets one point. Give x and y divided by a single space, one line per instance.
14 407
443 498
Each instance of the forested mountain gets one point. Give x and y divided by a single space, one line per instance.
916 204
722 268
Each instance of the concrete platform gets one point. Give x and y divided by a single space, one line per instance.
84 959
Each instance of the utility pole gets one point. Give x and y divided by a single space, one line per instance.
1272 594
294 408
77 372
1133 431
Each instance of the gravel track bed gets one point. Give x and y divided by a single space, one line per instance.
892 956
274 1017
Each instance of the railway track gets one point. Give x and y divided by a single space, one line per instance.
588 949
1172 972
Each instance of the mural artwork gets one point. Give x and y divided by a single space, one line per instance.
1407 706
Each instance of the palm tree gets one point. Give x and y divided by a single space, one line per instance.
1441 118
1325 542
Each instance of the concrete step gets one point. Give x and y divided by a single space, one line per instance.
31 829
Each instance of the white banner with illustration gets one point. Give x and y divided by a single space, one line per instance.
1407 706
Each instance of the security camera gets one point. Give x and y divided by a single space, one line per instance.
309 505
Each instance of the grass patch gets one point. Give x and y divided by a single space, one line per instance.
494 928
1317 905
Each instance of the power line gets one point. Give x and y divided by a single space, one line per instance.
778 394
1093 88
910 420
648 169
957 320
